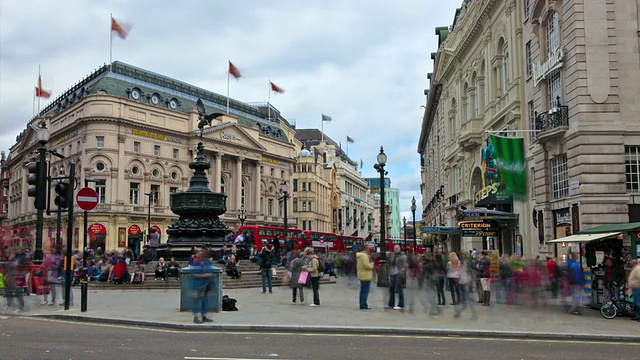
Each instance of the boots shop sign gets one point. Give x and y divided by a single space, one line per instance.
554 62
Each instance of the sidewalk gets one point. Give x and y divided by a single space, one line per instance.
338 313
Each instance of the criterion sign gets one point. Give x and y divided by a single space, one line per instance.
87 199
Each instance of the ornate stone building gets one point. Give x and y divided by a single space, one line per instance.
134 132
477 86
582 86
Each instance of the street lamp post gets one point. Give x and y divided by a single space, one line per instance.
404 226
285 191
242 215
43 138
413 212
149 194
383 279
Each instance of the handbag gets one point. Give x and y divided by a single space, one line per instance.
302 279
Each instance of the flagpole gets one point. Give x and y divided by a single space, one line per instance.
347 147
228 76
40 85
269 102
110 40
322 129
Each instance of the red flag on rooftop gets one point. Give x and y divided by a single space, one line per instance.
276 88
121 29
41 93
233 70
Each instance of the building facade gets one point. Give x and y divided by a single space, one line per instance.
582 85
349 202
476 88
133 133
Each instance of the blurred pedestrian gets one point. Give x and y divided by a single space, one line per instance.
484 267
397 278
53 264
314 273
295 266
364 268
576 282
453 277
202 286
634 285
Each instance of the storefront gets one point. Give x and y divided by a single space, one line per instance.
97 236
441 239
615 241
496 229
134 238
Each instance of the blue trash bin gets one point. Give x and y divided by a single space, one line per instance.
187 292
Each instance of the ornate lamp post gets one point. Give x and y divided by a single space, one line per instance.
383 279
285 192
43 138
242 215
404 226
413 212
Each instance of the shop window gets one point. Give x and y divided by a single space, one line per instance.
632 167
559 177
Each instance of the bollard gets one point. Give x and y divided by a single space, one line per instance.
83 295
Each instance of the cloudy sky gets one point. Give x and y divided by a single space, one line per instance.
363 62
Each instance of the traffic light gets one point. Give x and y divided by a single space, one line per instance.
63 199
38 178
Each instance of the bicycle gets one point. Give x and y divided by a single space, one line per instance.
614 307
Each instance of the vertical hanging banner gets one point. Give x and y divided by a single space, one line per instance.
509 155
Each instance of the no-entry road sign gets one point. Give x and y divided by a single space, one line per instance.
87 199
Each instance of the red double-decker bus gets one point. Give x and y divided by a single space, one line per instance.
323 241
352 243
390 243
263 235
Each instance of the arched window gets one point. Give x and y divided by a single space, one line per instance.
505 77
468 101
476 93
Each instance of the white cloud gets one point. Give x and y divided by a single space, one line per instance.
363 63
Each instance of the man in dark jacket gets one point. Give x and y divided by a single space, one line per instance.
265 269
614 278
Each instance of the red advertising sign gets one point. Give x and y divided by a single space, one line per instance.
95 229
134 230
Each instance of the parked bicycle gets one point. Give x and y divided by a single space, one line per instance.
615 307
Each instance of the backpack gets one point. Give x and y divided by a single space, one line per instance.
321 265
229 304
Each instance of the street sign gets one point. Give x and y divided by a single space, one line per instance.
87 199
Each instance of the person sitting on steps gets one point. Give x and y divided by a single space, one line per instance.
161 269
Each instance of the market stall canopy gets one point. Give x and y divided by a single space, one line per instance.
584 238
621 227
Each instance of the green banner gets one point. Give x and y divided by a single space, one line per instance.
509 154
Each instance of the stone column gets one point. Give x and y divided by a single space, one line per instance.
238 184
217 172
256 186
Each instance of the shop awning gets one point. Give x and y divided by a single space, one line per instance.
621 227
440 229
495 199
583 238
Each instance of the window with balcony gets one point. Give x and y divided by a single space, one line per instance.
100 141
554 88
559 177
553 33
134 193
632 167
